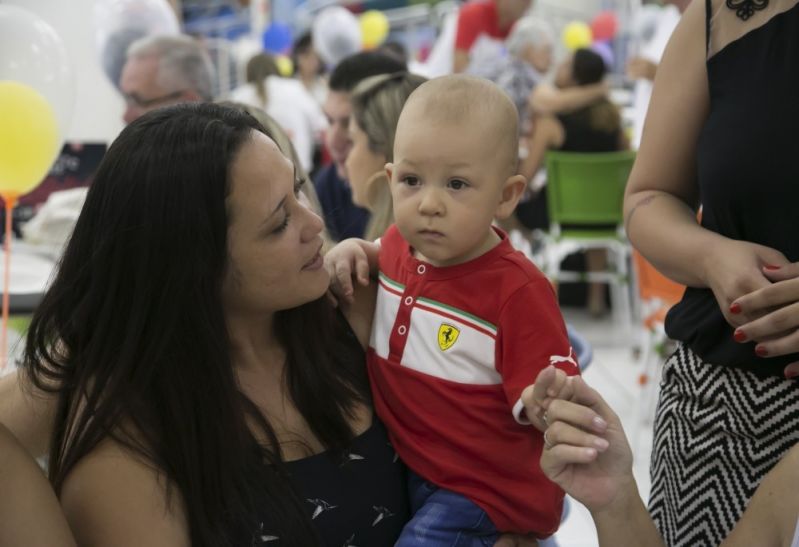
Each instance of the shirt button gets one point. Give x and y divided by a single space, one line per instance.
408 300
402 330
421 269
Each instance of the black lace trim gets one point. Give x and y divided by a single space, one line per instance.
746 8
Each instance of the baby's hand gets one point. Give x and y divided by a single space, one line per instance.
346 260
552 383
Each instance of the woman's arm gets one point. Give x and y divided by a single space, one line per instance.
662 192
547 133
770 517
27 412
662 189
112 498
548 99
29 510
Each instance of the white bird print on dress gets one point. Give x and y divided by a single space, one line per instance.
382 513
321 507
263 538
563 359
349 542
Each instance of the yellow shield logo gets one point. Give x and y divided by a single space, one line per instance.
447 335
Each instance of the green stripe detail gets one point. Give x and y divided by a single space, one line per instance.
391 282
456 311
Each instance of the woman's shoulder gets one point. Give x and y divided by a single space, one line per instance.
114 497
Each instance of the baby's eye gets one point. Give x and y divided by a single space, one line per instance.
410 180
458 184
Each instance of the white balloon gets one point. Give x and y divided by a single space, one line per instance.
119 23
31 52
336 34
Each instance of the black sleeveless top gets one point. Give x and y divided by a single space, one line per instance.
748 173
357 498
581 136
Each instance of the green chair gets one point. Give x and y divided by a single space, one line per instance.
585 195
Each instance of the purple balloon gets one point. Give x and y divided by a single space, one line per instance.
604 50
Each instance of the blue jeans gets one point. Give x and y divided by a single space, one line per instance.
442 518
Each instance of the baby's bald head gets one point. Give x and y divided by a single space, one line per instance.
469 104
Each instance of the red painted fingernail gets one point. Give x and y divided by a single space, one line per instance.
771 267
739 335
791 375
761 351
735 307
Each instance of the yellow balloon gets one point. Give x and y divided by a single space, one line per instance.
284 65
577 35
374 28
28 138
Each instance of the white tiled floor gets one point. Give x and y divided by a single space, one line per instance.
614 372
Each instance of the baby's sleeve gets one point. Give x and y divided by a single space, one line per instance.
530 337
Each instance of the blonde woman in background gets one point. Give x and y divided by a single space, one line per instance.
376 106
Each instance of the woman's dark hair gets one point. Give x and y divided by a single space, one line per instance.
303 44
132 338
588 67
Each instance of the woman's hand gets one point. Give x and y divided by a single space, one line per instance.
586 452
552 383
733 269
776 307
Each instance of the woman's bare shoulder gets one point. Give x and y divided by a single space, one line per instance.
113 497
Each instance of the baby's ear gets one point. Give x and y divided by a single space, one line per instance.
512 190
389 170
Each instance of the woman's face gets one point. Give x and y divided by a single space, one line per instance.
308 63
362 163
273 239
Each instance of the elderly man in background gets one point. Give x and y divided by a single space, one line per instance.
164 70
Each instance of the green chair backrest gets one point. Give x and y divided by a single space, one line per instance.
587 188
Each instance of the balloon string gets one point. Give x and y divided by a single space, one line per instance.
10 200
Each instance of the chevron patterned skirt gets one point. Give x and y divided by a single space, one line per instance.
718 431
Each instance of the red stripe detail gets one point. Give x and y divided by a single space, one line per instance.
475 326
389 288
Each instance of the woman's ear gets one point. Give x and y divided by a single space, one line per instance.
512 190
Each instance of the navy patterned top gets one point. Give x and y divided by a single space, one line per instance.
358 500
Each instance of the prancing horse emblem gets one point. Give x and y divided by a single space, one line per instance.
447 335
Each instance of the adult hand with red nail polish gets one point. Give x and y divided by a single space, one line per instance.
733 269
776 307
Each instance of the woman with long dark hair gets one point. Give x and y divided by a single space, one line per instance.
207 393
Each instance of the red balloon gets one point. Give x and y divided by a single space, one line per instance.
604 26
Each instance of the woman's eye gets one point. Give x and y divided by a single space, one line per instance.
283 225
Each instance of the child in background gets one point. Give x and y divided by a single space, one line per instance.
463 324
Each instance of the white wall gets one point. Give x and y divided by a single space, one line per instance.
97 116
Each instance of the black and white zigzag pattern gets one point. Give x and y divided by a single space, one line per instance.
718 431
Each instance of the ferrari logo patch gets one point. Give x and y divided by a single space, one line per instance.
447 335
